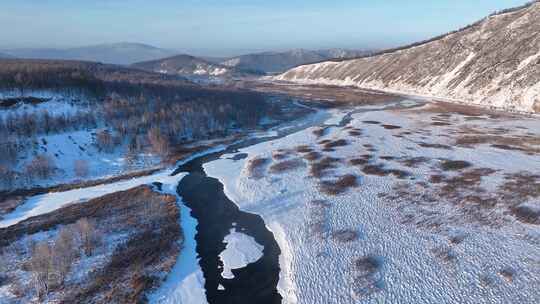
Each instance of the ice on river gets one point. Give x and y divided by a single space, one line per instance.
240 251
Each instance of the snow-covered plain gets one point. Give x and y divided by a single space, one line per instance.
404 261
240 251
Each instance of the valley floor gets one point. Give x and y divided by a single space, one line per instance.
432 204
397 202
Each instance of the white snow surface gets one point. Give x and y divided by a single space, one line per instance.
185 282
45 203
322 270
240 251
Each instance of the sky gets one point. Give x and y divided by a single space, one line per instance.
230 27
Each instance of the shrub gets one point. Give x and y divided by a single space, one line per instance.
287 165
340 185
42 166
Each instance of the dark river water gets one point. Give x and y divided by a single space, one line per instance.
257 282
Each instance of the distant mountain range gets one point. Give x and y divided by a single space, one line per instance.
169 61
189 66
5 56
494 62
115 53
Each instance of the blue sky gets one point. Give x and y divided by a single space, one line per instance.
226 27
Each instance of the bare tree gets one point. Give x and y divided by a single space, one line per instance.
42 166
88 235
40 267
80 166
63 254
159 142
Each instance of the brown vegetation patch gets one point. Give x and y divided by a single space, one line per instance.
321 168
312 156
387 157
287 165
368 277
336 143
358 161
508 273
281 154
527 213
526 143
445 254
304 149
371 122
339 186
440 123
454 165
319 132
391 127
434 146
414 162
345 235
380 170
255 167
356 132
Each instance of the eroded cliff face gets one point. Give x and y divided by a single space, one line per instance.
495 62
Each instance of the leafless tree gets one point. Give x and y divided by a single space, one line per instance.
42 166
80 166
41 267
88 235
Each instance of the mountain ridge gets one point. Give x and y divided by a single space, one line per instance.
493 62
113 53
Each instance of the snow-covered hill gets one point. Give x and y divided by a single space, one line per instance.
186 65
277 62
495 62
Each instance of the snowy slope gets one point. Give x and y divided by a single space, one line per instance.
405 264
493 63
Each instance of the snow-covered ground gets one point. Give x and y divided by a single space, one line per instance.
384 258
240 251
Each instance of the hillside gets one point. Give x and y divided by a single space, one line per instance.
275 62
188 66
115 53
494 63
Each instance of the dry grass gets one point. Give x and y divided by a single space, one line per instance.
287 165
339 186
414 162
320 132
440 123
356 132
281 154
380 170
321 168
304 149
335 143
312 156
454 165
368 277
434 146
529 144
391 127
358 161
345 235
255 167
151 248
